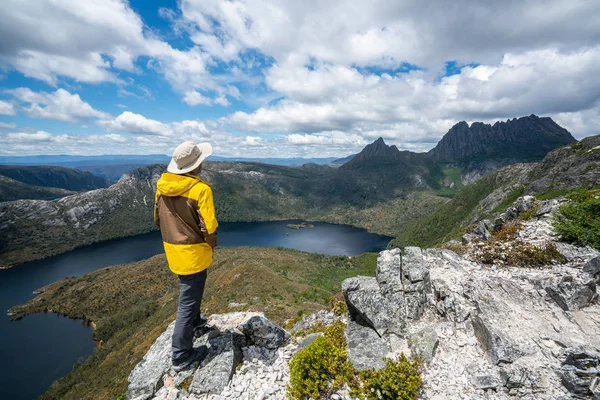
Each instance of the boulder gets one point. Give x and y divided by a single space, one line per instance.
146 377
366 349
482 230
367 304
572 294
264 333
218 367
522 204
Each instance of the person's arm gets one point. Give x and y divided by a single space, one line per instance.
206 209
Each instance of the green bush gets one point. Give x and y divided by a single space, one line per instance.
399 380
321 367
578 221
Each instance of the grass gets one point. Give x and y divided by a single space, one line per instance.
447 222
132 304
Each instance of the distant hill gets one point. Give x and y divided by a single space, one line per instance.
54 177
11 190
519 140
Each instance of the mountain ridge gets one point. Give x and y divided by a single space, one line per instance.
502 140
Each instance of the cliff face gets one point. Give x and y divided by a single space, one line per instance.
523 139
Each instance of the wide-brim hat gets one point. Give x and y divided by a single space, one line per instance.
188 156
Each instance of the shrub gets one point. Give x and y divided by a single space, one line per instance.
578 221
399 380
321 367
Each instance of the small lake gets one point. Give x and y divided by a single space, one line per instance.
40 348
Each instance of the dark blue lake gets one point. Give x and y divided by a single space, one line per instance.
40 348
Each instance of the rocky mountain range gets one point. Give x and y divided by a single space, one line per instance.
381 189
518 140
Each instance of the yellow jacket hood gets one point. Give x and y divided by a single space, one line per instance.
173 185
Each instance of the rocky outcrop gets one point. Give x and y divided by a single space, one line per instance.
247 354
483 331
523 139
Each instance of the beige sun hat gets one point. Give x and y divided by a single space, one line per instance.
188 156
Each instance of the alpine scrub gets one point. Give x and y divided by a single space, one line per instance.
323 367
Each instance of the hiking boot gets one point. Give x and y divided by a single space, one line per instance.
201 327
196 356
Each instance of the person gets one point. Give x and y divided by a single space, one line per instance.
184 211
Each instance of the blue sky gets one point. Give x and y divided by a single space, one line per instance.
287 78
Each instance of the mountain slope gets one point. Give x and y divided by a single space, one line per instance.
56 177
569 167
523 139
11 189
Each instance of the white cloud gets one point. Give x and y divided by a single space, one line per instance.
39 136
135 123
4 125
6 108
60 105
193 98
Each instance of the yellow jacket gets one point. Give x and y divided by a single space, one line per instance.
185 213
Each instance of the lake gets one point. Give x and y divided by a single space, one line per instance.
40 348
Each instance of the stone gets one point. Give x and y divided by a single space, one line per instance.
547 207
571 294
366 349
264 333
485 382
218 367
415 278
389 272
496 345
592 267
424 343
367 304
482 230
233 321
321 317
146 377
308 340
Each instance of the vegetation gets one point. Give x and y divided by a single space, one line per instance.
54 177
506 248
578 221
398 380
323 367
11 190
447 222
132 304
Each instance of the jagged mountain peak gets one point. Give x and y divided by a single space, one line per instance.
526 138
378 150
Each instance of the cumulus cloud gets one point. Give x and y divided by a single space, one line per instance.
60 105
6 108
135 123
193 98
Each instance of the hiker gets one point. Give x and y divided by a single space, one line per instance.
185 213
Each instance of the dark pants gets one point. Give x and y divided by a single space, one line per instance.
191 289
